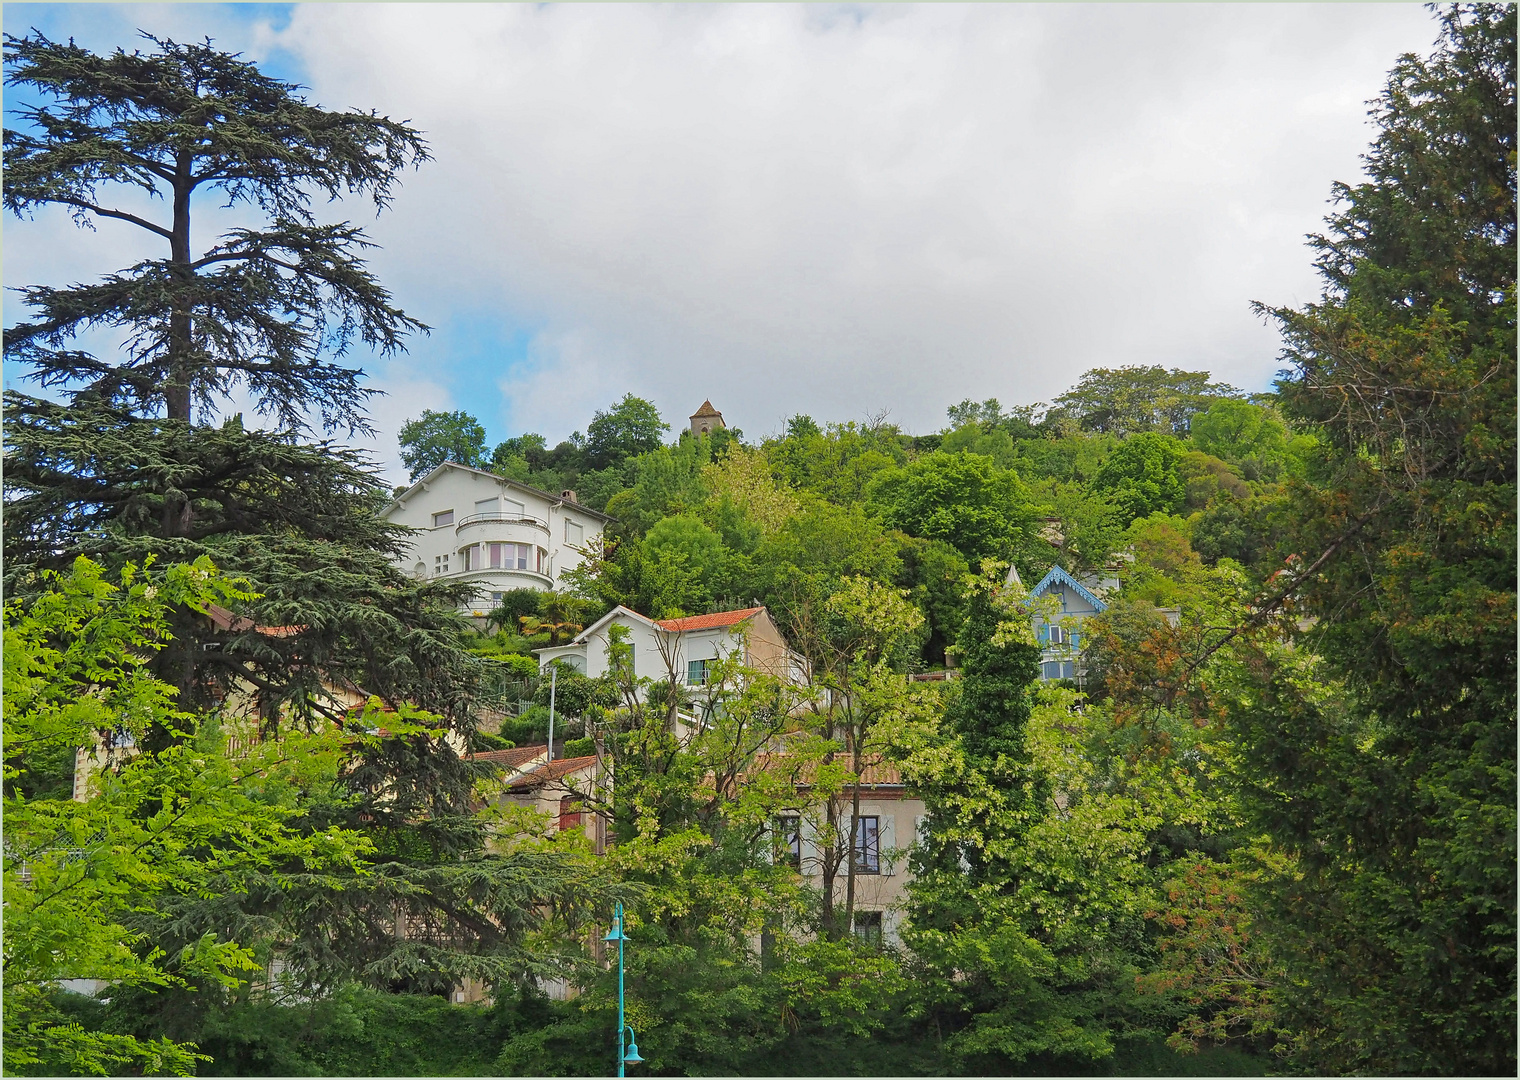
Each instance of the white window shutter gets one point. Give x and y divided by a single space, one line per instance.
886 840
809 847
768 842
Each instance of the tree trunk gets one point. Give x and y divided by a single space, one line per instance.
181 338
849 887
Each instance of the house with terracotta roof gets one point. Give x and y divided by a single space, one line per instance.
816 839
690 648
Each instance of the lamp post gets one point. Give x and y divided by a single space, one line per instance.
627 1054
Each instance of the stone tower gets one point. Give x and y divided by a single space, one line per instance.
706 420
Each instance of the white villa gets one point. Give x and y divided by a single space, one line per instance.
690 646
496 533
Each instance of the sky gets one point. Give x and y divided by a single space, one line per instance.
840 210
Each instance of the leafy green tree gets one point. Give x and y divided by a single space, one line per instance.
669 481
1143 476
836 463
1387 766
630 427
1239 430
1018 422
963 499
1123 401
689 561
435 437
986 976
86 881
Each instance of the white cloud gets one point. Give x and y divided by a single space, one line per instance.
840 210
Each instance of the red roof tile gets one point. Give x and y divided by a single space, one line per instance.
709 622
519 755
557 770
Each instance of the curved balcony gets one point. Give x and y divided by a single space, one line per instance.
509 528
500 580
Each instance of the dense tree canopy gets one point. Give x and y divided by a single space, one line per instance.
1266 825
435 437
1398 795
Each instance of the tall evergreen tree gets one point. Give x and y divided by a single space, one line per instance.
124 468
131 464
1397 796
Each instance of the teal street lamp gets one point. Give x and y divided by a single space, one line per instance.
628 1052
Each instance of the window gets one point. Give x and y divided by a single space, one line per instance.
442 518
488 506
1051 669
697 670
496 598
1057 635
789 840
440 565
569 812
868 928
513 557
867 845
468 560
574 534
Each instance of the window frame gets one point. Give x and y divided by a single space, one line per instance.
869 927
789 840
865 850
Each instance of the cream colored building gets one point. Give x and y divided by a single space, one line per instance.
497 534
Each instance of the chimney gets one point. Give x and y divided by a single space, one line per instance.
568 495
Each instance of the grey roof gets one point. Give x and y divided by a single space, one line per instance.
407 494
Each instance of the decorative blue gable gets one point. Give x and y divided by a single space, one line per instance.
1059 576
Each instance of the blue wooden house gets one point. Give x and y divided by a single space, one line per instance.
1060 632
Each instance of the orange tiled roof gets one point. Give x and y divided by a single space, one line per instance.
556 770
223 619
709 622
519 755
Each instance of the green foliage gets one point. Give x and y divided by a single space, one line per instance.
629 428
1240 431
435 437
1385 761
91 886
836 463
258 308
964 499
1143 476
1124 401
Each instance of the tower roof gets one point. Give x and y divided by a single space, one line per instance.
706 410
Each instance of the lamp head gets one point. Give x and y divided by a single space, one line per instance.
616 933
632 1057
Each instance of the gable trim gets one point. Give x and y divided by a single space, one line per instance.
1056 574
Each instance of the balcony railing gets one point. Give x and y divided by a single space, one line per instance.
502 519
